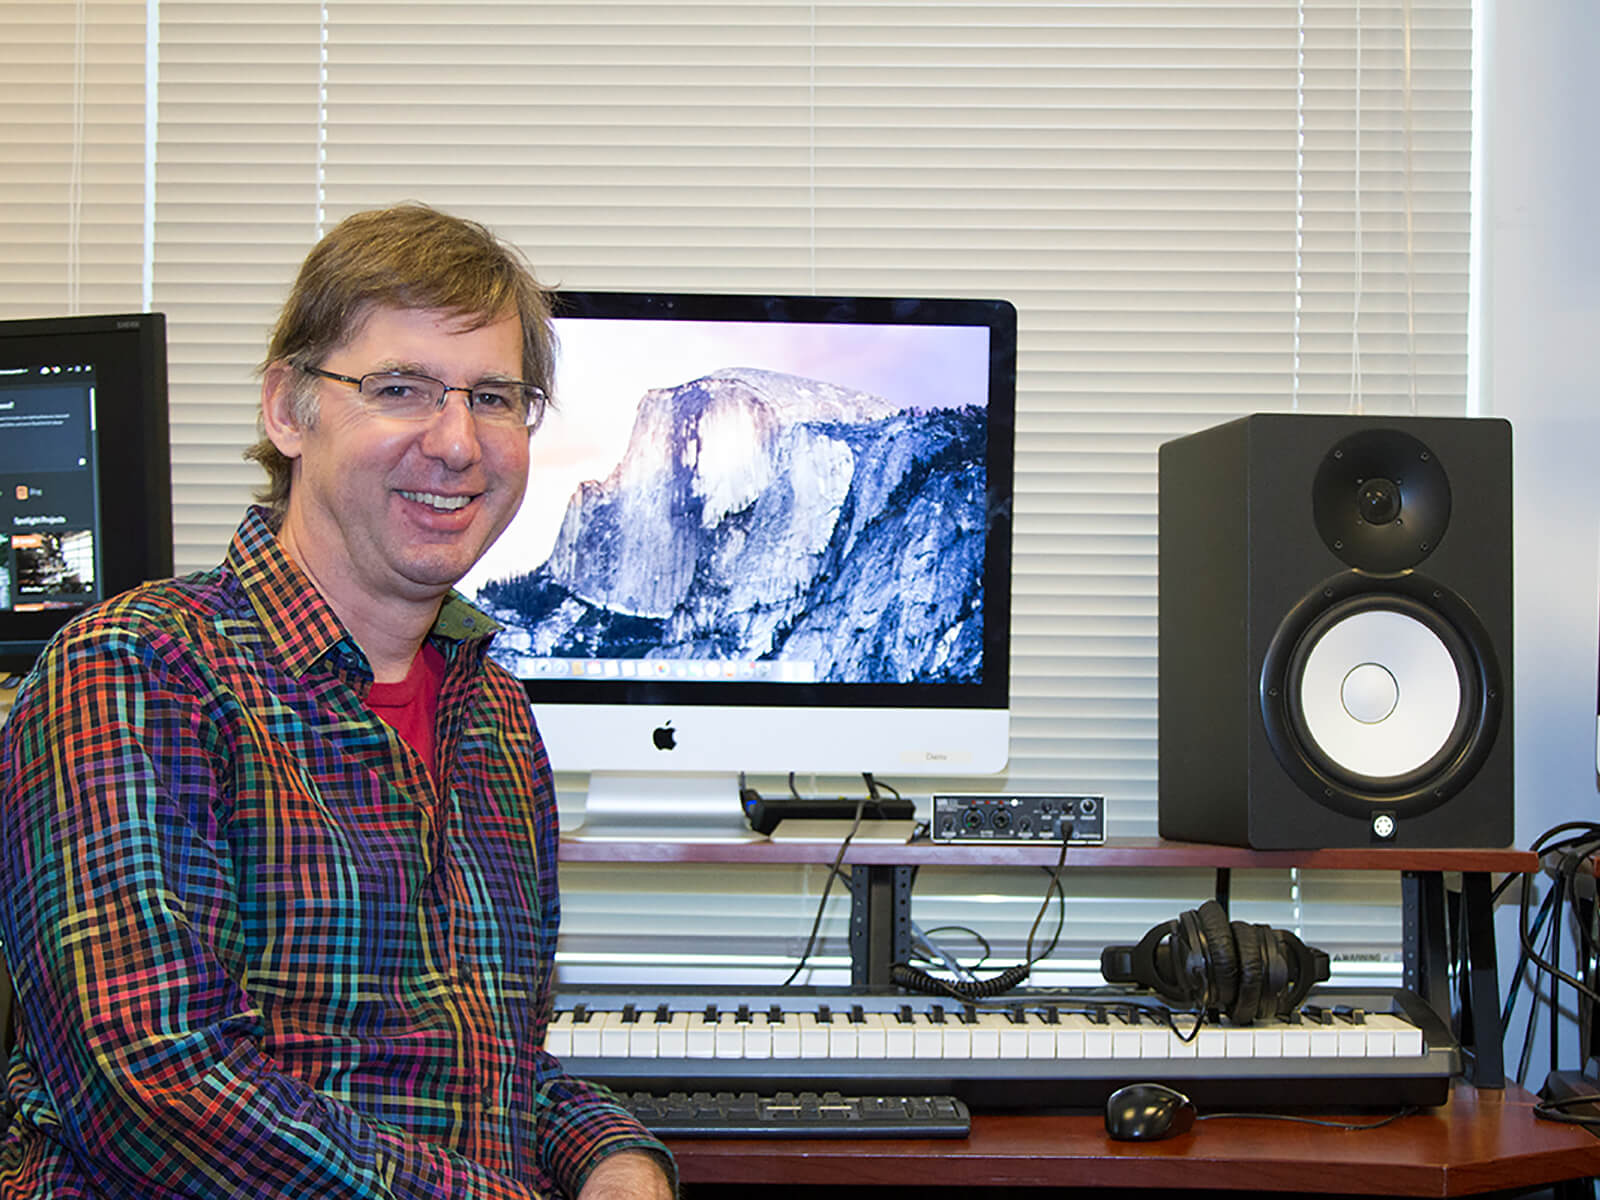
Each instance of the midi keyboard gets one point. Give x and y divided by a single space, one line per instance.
1343 1048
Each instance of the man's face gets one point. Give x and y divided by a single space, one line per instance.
382 509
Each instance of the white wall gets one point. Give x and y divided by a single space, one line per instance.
1541 361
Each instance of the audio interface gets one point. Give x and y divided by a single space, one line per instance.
994 817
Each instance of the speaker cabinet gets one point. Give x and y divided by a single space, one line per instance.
1335 632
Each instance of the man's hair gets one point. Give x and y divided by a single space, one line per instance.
407 257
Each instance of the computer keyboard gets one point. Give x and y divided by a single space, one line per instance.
797 1115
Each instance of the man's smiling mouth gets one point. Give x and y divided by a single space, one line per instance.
434 500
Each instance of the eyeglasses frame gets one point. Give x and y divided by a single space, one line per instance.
535 411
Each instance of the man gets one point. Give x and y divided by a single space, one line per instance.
279 878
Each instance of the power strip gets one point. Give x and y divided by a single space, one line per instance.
764 812
1078 820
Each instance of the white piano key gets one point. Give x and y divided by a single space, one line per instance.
927 1037
900 1036
1266 1039
844 1037
1297 1040
614 1036
672 1036
1071 1031
813 1036
702 1037
644 1036
1013 1039
872 1039
586 1036
758 1036
1211 1042
1183 1046
558 1034
785 1036
1096 1039
1324 1041
1155 1041
986 1032
957 1036
1352 1039
1040 1034
1238 1041
729 1036
1126 1040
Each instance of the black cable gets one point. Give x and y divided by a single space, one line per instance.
914 979
1559 890
1263 1116
1555 1110
982 941
1543 963
1522 964
1577 842
833 872
1533 1006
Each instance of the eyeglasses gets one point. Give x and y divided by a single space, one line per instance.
408 397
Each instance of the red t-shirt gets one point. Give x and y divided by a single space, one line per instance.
411 706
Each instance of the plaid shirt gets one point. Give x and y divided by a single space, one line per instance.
257 952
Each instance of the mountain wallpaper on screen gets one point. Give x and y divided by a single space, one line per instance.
759 515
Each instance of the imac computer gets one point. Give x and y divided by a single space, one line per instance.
85 478
763 534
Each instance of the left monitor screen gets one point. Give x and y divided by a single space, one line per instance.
85 480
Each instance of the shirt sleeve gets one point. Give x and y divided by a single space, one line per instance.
142 1059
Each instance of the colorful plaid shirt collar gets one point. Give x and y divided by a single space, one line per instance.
298 621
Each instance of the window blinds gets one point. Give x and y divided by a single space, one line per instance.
1199 210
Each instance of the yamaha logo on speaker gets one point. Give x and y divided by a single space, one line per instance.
1335 632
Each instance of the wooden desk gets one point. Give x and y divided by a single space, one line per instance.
1481 1141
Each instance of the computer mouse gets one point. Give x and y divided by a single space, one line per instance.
1144 1112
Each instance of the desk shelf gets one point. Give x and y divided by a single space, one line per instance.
1118 852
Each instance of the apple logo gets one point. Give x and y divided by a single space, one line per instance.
665 737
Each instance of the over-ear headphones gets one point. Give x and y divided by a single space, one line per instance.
1204 961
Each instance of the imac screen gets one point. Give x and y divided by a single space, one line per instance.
766 534
85 480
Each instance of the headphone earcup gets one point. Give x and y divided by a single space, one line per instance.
1252 973
1275 984
1221 956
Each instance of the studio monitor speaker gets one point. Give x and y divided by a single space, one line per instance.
1335 632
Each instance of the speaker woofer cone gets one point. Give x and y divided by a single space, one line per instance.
1381 692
